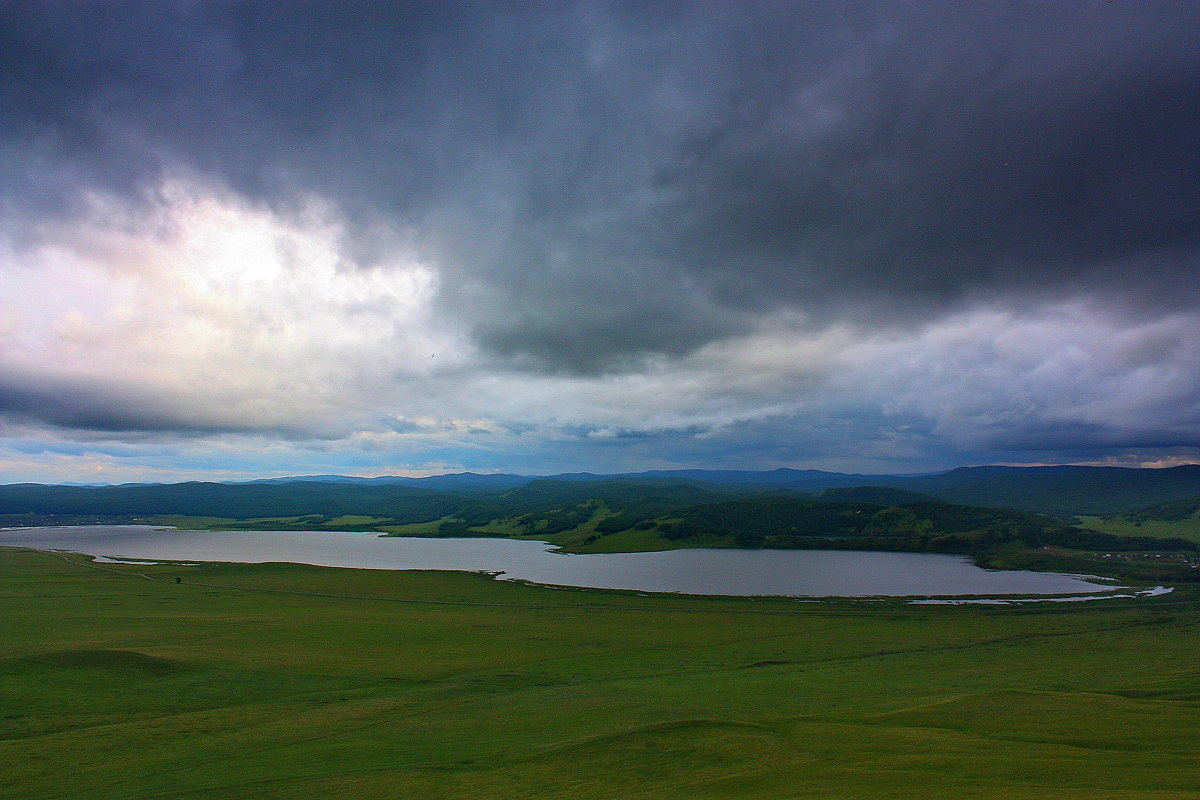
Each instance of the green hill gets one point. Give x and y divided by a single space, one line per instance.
1064 491
1173 511
878 495
1177 519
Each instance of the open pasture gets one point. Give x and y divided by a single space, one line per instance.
287 681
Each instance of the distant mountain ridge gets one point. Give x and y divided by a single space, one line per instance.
455 480
783 478
1058 490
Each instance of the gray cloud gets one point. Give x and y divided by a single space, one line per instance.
694 197
83 406
706 162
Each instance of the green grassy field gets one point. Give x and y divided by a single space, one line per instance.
284 681
1188 528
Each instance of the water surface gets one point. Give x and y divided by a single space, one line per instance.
696 571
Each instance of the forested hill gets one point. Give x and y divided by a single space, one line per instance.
1063 491
1060 490
236 501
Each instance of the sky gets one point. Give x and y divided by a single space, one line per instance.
250 239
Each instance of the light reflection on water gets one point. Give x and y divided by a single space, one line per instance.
695 571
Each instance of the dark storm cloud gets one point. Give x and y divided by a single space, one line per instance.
602 182
75 405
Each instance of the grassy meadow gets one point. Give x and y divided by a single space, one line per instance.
287 681
1121 525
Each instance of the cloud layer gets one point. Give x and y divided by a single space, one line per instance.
295 237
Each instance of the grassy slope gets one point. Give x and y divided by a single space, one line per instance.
1180 519
1167 529
447 685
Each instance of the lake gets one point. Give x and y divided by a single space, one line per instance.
795 573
